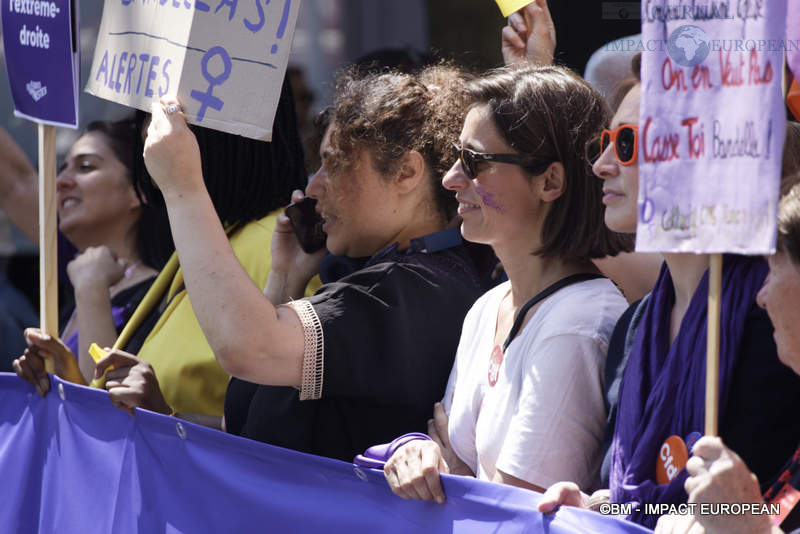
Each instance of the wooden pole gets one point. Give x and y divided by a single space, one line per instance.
48 260
712 347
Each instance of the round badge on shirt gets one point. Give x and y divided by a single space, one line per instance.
672 457
494 365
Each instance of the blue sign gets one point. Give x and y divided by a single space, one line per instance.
40 40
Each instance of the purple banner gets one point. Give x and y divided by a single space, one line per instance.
71 462
41 58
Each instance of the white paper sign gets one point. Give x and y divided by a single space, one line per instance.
711 125
224 59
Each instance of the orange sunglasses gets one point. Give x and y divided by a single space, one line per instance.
626 143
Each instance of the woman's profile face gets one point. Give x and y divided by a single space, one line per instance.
780 295
357 206
93 191
620 182
499 202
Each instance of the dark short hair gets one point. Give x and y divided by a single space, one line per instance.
246 179
551 113
392 113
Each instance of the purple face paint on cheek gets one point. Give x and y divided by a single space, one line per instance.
488 199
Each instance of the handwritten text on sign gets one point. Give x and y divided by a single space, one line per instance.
224 59
711 126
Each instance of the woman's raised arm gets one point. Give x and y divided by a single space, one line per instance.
251 338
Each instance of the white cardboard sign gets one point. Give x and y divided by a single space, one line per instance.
224 59
711 125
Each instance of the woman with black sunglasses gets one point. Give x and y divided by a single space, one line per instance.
524 403
659 387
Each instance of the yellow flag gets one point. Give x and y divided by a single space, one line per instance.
509 6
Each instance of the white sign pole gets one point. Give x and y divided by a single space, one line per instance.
712 344
48 259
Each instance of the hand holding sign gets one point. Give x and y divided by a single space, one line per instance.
718 475
131 383
45 348
530 36
171 153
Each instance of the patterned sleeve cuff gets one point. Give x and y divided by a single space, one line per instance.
313 350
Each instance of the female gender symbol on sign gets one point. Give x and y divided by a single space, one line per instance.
208 99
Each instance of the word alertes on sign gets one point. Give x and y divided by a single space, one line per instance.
42 59
711 130
224 59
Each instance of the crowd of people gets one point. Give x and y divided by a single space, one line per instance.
486 316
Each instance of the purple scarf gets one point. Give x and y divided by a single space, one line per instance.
663 389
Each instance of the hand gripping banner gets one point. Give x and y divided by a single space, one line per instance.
72 463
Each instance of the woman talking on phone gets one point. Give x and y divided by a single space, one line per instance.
365 357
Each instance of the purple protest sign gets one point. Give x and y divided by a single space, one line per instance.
42 60
711 126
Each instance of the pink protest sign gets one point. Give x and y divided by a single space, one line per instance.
711 125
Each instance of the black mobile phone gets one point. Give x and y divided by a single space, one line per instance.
307 224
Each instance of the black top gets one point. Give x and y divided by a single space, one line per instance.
129 299
390 336
755 424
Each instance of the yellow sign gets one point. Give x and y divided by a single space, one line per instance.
509 6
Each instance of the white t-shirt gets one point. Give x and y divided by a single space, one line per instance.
538 413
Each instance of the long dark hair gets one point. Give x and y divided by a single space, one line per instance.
246 179
121 136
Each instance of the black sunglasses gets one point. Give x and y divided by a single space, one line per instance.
469 161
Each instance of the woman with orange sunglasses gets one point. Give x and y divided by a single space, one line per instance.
658 387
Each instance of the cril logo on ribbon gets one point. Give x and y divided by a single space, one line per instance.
224 60
36 90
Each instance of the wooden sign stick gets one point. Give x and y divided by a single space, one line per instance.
712 346
48 259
